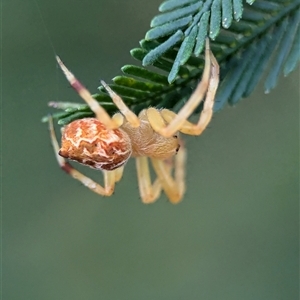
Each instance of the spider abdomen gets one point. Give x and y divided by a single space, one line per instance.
89 142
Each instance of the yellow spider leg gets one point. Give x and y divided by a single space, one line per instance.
169 115
187 127
173 187
119 173
118 119
99 111
109 176
208 86
207 112
130 116
149 193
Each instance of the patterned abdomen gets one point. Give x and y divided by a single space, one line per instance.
89 142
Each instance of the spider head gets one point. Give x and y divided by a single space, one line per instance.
89 142
164 148
178 145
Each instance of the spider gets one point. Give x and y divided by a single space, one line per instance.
105 143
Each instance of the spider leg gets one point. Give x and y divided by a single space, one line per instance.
118 119
110 177
149 192
188 127
207 86
130 116
173 187
119 173
99 111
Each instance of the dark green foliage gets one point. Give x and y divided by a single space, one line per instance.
246 40
154 54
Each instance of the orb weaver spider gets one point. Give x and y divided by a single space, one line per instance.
105 143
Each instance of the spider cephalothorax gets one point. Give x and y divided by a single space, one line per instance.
146 142
106 143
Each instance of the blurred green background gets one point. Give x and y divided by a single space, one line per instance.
235 235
